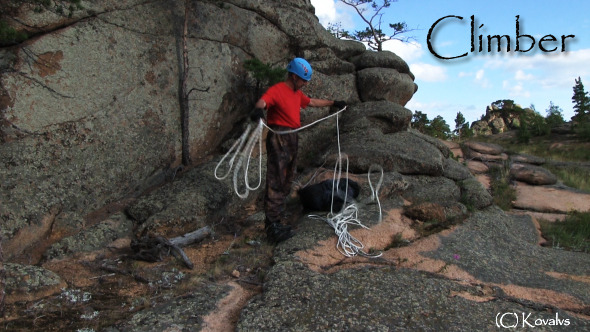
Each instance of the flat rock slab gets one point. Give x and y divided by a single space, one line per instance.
464 279
477 167
550 199
485 148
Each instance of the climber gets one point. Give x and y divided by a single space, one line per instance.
283 102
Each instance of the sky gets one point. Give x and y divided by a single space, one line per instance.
530 76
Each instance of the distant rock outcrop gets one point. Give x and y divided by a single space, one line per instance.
500 117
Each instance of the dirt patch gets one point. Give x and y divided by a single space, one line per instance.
49 63
564 276
228 310
326 258
105 287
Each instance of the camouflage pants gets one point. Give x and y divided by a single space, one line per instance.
281 163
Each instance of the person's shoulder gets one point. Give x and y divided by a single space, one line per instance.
280 85
275 87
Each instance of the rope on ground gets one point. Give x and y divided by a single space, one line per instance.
347 244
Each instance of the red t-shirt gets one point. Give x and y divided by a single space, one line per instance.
284 105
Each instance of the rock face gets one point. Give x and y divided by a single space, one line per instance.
90 107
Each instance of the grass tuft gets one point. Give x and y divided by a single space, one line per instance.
571 234
502 191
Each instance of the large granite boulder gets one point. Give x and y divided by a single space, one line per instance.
532 174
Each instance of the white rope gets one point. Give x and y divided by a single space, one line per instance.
244 154
308 125
243 148
375 191
347 244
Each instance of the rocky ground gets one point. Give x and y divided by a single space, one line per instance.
462 271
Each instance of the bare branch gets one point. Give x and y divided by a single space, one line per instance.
373 35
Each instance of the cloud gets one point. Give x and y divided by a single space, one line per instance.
334 12
325 11
516 90
522 76
481 79
479 75
428 73
409 51
554 70
412 51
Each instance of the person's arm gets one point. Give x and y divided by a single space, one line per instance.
323 102
258 112
260 104
320 102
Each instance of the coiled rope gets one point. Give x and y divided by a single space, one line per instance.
244 153
243 149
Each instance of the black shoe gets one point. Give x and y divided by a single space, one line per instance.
276 232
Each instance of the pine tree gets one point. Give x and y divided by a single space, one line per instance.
581 102
373 35
554 116
459 123
420 121
439 128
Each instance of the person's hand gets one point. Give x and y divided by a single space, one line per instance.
257 114
339 104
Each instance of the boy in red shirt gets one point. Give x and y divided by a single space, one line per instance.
283 102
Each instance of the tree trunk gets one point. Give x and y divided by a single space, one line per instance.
184 103
2 280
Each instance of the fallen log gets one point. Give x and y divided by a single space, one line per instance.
151 248
192 237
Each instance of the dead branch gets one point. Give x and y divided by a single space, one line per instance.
192 237
152 248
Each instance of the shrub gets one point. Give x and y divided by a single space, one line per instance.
9 35
583 131
502 191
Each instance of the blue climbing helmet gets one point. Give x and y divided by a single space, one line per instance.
301 68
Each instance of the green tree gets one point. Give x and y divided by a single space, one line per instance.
581 102
439 128
420 121
373 34
504 104
459 124
532 124
264 74
466 131
554 116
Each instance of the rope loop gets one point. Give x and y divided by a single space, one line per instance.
243 149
